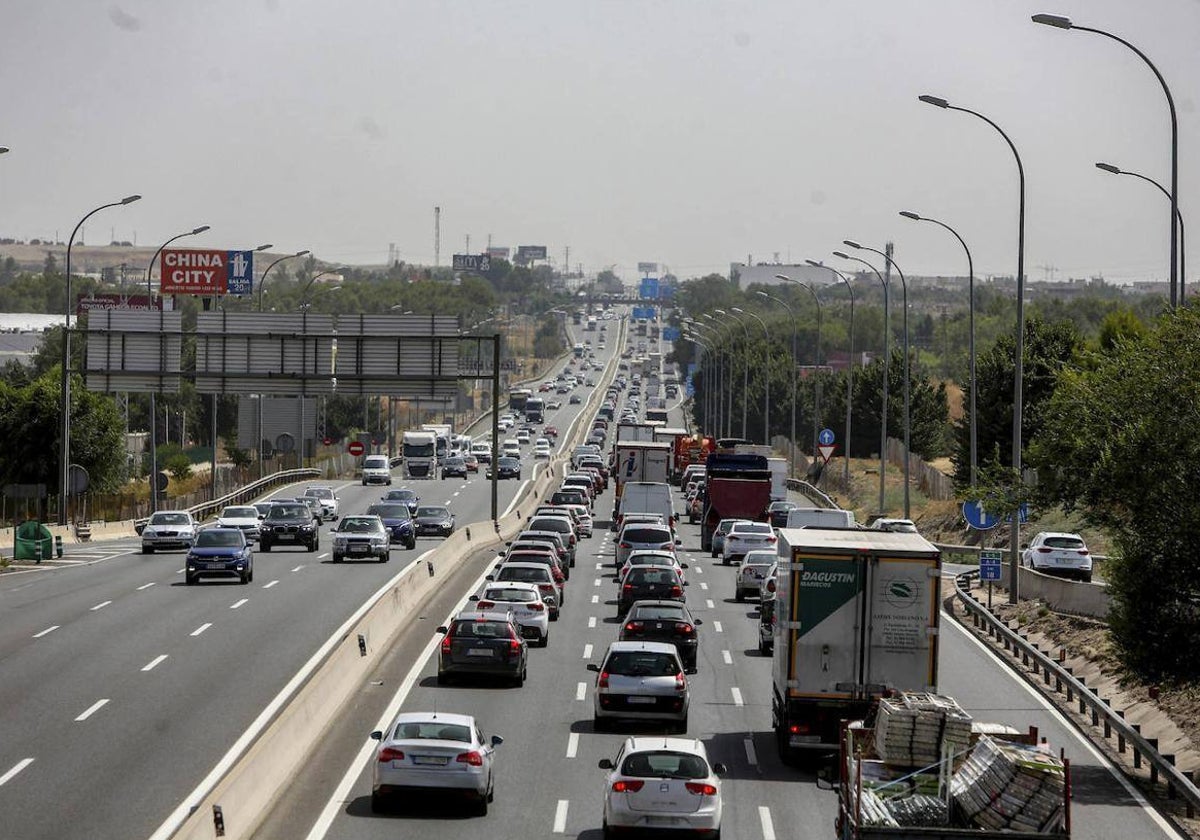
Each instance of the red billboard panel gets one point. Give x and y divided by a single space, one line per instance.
194 272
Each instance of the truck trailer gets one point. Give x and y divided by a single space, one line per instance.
735 487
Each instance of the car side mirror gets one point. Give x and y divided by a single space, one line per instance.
720 768
497 740
605 764
698 621
683 565
686 583
473 598
678 542
592 666
377 735
443 629
490 577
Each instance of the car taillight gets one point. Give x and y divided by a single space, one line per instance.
446 644
485 605
680 682
628 586
626 545
514 645
472 758
634 626
701 788
391 754
1044 550
558 576
770 586
666 547
771 540
798 728
684 629
1083 551
603 683
536 606
676 590
545 587
628 786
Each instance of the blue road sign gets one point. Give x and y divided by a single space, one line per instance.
977 517
240 268
1022 515
989 565
649 288
826 437
670 333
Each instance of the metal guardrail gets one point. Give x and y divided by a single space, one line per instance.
810 492
246 492
1129 737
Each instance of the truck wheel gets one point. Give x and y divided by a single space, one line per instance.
738 596
265 546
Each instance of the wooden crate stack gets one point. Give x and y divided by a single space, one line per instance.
1007 786
916 729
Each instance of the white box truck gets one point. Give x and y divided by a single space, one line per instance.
856 616
779 477
419 448
641 460
444 433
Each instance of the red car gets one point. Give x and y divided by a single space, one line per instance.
550 431
472 463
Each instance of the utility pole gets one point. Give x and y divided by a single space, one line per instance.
468 244
566 262
437 236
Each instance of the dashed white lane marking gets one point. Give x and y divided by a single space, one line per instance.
92 709
298 568
737 696
580 691
727 657
269 585
572 744
155 662
751 754
595 599
708 603
100 606
717 627
599 566
596 582
699 570
587 651
591 622
703 585
179 571
560 817
768 826
17 768
320 556
48 630
201 628
448 501
145 586
237 604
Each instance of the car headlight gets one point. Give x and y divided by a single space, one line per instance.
339 540
148 532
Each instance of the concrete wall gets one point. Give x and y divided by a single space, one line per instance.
1061 595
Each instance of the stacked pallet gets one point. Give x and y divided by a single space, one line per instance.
1008 786
916 729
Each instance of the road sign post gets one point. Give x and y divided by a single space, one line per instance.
989 568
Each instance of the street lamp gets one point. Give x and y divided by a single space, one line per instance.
1019 354
745 368
849 365
262 283
1108 167
721 387
908 214
1060 22
313 279
795 363
766 375
816 365
887 361
728 389
694 339
306 305
154 395
64 450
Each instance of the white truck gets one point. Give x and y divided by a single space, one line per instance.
444 433
419 448
641 460
779 477
647 497
856 617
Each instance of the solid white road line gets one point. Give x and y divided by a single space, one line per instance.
560 816
92 709
581 691
100 606
154 663
201 628
768 826
572 744
737 696
17 768
587 651
751 753
591 622
516 496
298 568
717 627
269 585
727 656
145 586
237 604
49 629
708 603
595 599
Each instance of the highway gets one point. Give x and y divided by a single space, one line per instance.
548 782
121 687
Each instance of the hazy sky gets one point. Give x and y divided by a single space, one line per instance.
689 132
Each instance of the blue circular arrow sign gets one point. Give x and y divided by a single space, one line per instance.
826 437
977 517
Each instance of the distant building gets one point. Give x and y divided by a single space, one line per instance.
743 276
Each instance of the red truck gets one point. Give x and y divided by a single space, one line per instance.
735 487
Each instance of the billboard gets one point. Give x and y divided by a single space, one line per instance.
499 253
526 253
648 289
109 300
187 271
647 268
481 263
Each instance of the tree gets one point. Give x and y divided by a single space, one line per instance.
1118 441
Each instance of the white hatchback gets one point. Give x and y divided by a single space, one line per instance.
526 603
747 536
665 783
1054 553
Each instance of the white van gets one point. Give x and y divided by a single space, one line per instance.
648 497
376 470
813 517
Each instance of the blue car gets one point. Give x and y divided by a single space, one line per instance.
219 552
397 520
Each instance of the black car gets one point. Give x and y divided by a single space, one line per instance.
454 466
507 468
766 626
648 583
778 511
219 552
485 644
397 520
408 497
664 621
570 497
289 523
434 521
574 399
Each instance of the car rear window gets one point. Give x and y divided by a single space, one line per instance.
506 594
754 528
1063 542
432 731
646 535
551 523
652 574
660 612
525 575
631 663
481 629
664 765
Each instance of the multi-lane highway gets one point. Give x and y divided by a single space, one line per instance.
121 688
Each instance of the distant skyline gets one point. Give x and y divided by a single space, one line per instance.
692 133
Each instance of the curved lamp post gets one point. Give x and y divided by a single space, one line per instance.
887 360
1019 354
971 315
766 375
313 279
713 387
745 374
262 283
849 365
795 331
1116 170
724 424
64 432
1060 22
816 363
745 369
305 305
262 287
695 339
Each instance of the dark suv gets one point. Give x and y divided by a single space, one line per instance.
455 465
291 523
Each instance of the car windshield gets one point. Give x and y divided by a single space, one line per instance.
664 765
219 538
389 511
376 463
506 594
359 524
239 513
319 492
646 535
170 519
639 663
481 629
526 575
432 512
656 612
432 730
290 511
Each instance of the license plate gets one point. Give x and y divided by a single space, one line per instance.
287 536
479 652
798 740
641 701
434 760
214 566
661 821
358 549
